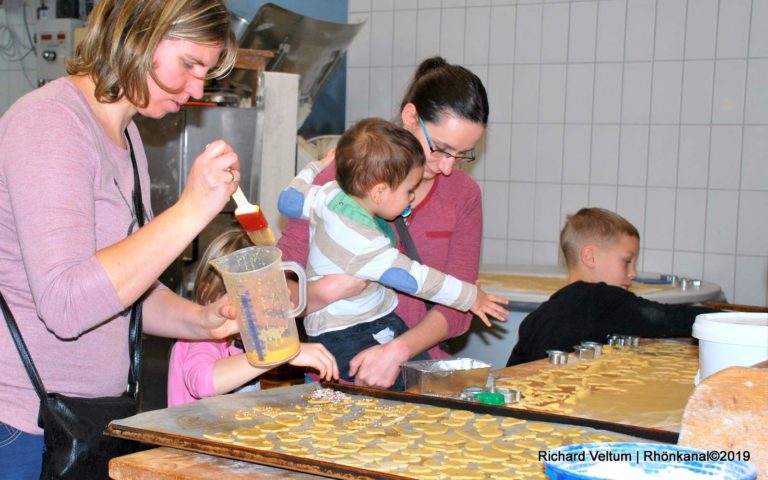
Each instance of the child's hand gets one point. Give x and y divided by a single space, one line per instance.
328 158
489 305
315 355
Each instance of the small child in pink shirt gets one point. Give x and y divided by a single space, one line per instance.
205 368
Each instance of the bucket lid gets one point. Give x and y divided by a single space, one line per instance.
733 328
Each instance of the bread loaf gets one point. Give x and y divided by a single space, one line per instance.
729 412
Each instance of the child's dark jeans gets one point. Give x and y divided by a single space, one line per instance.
345 344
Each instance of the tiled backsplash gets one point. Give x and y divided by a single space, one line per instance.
657 109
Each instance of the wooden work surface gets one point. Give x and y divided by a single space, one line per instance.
177 464
550 284
646 386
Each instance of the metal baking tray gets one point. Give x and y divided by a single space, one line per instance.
183 426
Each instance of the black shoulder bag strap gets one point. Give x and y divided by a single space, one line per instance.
405 237
134 330
410 247
134 333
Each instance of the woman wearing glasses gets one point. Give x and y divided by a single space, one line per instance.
446 109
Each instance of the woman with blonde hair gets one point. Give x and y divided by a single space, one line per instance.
75 256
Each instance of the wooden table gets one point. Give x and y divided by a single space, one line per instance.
655 402
177 464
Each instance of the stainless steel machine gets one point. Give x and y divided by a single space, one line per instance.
173 142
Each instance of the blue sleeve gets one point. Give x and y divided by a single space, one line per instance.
291 203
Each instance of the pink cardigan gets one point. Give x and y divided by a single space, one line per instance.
65 192
447 230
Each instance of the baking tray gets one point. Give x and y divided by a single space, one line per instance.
183 427
656 435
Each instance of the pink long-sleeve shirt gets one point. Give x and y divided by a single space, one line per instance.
65 192
190 369
446 228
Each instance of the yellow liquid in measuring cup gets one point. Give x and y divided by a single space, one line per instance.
273 356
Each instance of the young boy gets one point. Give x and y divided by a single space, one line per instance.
600 250
378 166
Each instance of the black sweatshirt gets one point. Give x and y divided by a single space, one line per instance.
585 311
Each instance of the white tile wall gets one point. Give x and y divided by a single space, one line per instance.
640 30
607 100
577 148
611 21
733 28
670 29
688 264
698 78
753 223
701 30
758 40
656 109
604 168
662 156
666 92
554 33
754 160
546 225
729 88
476 46
757 94
582 32
502 35
750 280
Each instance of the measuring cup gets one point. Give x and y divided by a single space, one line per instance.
256 284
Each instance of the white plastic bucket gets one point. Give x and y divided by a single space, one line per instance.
730 338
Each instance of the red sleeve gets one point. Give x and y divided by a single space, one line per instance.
462 260
294 242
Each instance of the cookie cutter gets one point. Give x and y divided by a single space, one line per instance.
469 393
631 341
510 395
623 340
686 283
583 353
557 357
596 346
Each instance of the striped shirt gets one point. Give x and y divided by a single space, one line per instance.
344 238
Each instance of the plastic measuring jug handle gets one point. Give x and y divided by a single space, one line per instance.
299 271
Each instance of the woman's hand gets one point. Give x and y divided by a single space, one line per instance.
379 366
218 319
489 305
316 356
211 181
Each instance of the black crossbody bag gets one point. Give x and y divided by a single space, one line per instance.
73 427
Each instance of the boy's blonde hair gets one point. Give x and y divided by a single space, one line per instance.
209 285
592 225
374 151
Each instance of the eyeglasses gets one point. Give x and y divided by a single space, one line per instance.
468 156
